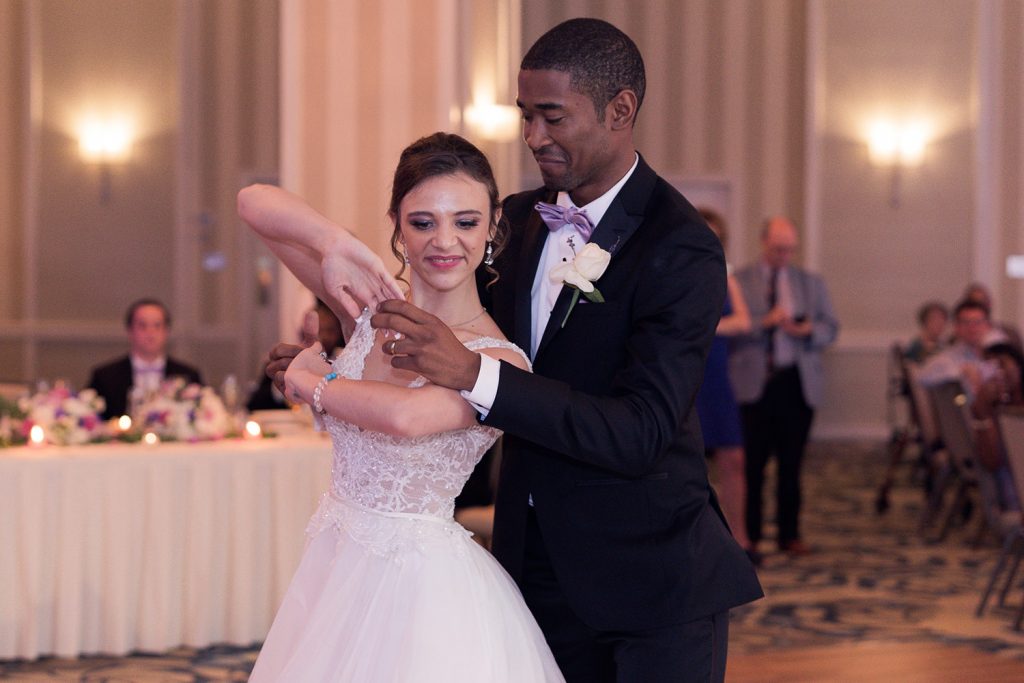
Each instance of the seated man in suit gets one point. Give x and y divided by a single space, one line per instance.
148 323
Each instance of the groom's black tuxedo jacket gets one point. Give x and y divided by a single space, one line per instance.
112 382
602 434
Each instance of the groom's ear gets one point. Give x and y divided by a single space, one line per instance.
621 110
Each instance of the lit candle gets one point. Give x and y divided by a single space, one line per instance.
36 435
124 423
252 429
150 439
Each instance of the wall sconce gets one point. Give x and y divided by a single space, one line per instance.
105 142
497 122
897 146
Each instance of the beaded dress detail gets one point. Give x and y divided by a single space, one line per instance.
390 587
392 474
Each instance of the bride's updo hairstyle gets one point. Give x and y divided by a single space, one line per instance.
444 154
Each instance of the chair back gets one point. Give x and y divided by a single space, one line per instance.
921 405
1011 428
954 423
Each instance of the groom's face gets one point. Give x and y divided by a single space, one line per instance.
562 129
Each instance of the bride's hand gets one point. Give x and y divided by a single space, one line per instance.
304 372
355 276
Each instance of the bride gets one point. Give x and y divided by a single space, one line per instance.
390 587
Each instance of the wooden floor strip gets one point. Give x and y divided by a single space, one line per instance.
874 663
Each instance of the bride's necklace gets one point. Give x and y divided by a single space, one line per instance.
466 322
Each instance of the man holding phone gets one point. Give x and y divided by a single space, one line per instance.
777 375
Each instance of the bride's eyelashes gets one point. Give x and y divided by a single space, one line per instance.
426 224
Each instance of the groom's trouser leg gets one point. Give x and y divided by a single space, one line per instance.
575 645
695 651
692 652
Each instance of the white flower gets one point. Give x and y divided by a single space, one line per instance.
586 266
592 261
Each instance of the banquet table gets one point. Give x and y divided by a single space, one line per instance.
111 548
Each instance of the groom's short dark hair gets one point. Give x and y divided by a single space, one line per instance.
601 60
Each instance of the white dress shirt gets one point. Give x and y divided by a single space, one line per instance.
147 375
544 293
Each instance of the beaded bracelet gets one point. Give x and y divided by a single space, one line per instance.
319 390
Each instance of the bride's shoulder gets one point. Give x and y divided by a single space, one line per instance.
498 347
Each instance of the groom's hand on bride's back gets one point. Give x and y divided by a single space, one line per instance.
281 356
425 345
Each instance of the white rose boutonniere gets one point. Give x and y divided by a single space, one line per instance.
579 274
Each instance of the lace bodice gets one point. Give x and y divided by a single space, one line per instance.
394 474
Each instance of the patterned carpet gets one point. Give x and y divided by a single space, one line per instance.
870 579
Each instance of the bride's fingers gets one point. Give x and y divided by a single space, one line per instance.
391 290
352 307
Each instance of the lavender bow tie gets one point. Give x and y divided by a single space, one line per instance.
556 216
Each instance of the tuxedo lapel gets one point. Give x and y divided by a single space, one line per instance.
619 222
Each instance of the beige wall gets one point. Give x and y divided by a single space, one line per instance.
762 99
360 81
79 242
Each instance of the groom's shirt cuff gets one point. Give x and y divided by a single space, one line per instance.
486 387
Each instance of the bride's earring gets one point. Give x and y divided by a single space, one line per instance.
489 254
405 253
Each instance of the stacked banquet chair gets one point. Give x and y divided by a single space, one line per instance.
934 451
913 426
973 487
1010 421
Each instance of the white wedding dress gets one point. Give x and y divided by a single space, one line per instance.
390 587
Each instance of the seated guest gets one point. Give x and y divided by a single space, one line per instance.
964 359
1003 388
979 293
148 323
932 319
329 333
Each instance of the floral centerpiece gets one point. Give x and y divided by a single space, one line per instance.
65 417
182 412
10 422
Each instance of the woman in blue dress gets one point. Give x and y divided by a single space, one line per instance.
716 406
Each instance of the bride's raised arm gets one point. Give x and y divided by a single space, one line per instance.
383 407
328 259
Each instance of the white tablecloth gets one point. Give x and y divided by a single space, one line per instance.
115 547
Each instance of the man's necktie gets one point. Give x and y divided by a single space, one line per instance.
555 217
773 300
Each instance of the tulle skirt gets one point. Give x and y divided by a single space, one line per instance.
382 597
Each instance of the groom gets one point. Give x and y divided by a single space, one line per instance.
604 517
